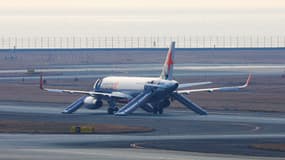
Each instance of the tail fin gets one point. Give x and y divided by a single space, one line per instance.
167 70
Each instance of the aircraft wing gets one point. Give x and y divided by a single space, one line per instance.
186 85
231 88
90 93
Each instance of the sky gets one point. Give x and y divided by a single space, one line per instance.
142 17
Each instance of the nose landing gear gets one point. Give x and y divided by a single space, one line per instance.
112 109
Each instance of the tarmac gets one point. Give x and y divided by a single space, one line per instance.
179 134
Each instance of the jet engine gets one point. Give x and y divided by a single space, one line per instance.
92 103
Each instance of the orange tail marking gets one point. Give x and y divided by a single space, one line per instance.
248 79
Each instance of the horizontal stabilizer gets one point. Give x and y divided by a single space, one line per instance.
130 107
74 106
187 103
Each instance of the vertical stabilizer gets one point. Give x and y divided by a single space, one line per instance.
167 70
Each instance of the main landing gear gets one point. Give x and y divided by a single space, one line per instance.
157 110
160 107
112 110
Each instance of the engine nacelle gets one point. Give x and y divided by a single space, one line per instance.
92 103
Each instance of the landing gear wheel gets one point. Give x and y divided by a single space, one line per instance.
160 110
155 110
110 111
113 110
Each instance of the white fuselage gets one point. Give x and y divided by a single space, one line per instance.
125 83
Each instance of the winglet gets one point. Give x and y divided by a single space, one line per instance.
41 82
248 80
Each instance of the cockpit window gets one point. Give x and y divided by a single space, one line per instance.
97 84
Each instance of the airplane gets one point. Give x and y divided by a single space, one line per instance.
151 94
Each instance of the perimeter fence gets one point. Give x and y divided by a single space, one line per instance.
142 42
